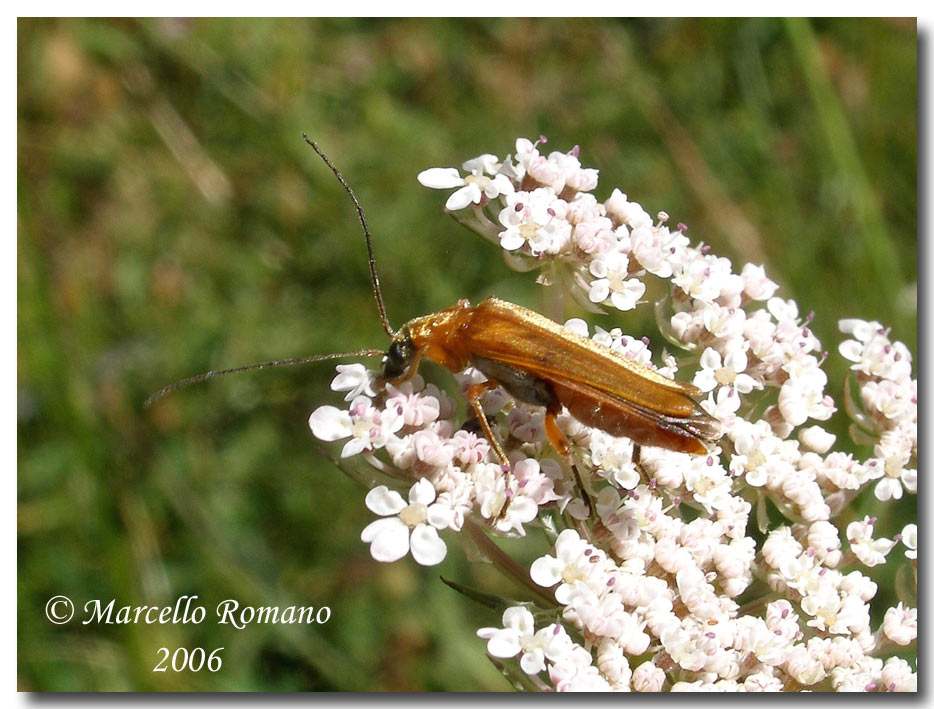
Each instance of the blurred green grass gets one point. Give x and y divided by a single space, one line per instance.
171 220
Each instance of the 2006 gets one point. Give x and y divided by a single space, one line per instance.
183 660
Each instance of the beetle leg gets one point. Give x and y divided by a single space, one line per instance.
557 439
561 444
474 392
637 461
410 372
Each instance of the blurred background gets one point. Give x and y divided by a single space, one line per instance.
171 221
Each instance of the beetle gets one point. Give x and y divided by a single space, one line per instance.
536 360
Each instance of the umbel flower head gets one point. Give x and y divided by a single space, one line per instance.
747 568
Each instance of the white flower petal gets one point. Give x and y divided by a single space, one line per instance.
422 491
522 509
504 644
599 290
440 516
546 571
887 488
599 268
579 326
329 423
384 501
511 240
482 163
705 380
388 539
520 619
744 383
440 178
500 185
353 447
816 439
467 194
860 329
737 360
710 359
428 548
851 350
624 301
532 662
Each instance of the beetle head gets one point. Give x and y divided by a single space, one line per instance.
399 359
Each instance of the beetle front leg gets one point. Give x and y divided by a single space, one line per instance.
474 393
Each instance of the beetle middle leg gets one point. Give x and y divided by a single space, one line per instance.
560 443
534 390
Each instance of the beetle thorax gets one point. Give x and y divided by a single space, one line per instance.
437 336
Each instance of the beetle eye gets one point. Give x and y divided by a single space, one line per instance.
398 359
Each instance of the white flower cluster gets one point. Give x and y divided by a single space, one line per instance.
657 559
413 428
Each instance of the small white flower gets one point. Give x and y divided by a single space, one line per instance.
683 647
897 676
473 187
900 624
815 438
613 458
594 236
355 379
756 284
726 324
651 247
532 482
803 667
871 552
534 218
574 672
893 453
575 561
510 509
613 283
802 395
648 677
518 635
723 406
708 481
413 526
873 353
702 277
724 372
518 627
368 427
614 664
414 409
622 211
835 613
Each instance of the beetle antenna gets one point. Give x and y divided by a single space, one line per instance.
366 233
259 365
